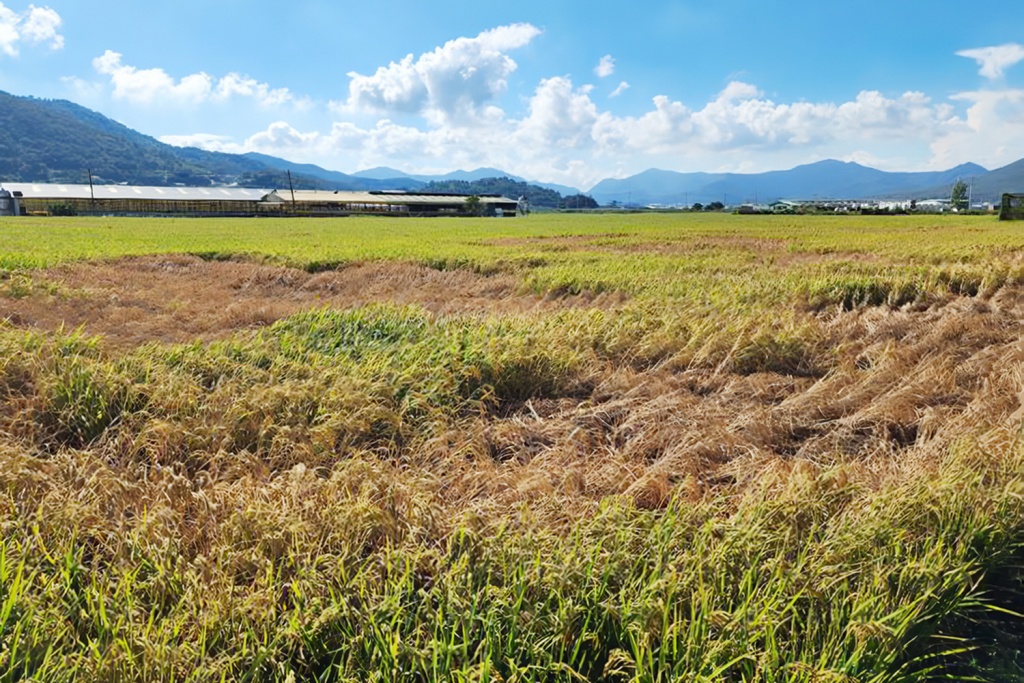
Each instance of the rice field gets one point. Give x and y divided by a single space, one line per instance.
563 448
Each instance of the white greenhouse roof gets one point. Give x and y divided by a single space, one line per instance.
54 191
51 191
344 197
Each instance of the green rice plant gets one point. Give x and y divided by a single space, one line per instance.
85 395
453 360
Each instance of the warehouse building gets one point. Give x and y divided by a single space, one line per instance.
318 202
42 198
128 200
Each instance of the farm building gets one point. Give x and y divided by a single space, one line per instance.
9 203
784 206
1012 208
135 200
318 202
41 198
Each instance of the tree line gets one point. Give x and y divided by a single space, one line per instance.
539 197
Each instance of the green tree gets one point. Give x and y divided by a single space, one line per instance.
537 196
62 209
474 207
958 197
579 201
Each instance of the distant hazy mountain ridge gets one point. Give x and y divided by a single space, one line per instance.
827 179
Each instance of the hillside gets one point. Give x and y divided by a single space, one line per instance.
61 142
823 179
58 141
991 185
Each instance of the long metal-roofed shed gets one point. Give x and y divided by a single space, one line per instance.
131 200
393 203
139 200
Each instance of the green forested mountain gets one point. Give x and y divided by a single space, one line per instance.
58 141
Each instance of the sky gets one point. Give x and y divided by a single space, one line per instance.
571 92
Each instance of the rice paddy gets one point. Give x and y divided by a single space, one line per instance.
563 448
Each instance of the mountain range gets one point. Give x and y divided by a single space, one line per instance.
828 179
59 141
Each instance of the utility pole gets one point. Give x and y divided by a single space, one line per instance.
291 187
92 193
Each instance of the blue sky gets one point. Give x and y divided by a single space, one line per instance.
567 92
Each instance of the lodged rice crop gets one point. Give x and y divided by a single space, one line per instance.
634 448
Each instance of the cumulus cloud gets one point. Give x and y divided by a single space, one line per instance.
560 115
565 137
148 86
145 86
994 61
991 133
741 117
606 67
622 87
234 85
454 81
33 26
207 141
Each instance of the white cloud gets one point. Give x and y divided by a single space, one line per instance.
452 82
84 92
236 85
606 67
33 26
41 26
281 136
741 118
145 86
564 136
994 61
207 141
148 86
559 116
991 133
